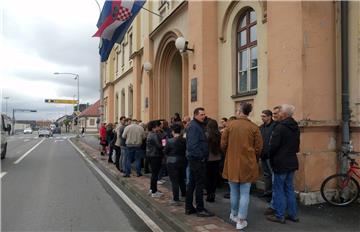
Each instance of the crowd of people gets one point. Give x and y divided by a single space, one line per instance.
197 154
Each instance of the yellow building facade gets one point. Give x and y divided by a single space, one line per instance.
266 53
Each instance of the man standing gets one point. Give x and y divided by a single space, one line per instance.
243 143
119 129
197 153
266 130
134 135
284 145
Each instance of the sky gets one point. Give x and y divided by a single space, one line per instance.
38 38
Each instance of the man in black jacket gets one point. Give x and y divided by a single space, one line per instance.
266 130
284 144
197 153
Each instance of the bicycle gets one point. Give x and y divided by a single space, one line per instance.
342 189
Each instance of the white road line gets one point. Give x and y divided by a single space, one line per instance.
150 223
3 174
28 152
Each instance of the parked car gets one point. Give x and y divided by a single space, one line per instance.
28 131
5 129
56 130
45 132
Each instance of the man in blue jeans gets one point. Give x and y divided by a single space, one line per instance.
134 135
284 144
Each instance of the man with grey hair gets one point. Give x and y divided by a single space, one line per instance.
284 144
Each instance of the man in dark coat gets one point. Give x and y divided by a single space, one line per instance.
284 144
266 130
197 153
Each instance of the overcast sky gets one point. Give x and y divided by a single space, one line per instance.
38 38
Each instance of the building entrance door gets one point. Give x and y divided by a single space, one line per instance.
175 85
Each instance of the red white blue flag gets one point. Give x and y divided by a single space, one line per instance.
115 19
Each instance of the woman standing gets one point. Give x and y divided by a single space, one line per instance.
212 165
175 150
102 137
155 154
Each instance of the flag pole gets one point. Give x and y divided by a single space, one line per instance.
152 12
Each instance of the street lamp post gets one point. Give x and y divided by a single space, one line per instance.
77 77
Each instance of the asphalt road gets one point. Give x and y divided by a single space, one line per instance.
52 188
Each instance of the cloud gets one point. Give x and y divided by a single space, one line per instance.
54 36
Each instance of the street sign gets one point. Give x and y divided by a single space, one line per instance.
61 101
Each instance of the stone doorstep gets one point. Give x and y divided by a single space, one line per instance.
174 216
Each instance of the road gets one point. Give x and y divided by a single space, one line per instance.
52 188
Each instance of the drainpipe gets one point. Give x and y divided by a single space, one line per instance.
344 86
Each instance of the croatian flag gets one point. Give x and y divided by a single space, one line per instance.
115 19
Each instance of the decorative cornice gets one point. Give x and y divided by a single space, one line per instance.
122 76
137 53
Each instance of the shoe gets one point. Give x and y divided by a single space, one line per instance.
273 218
227 195
269 211
174 203
138 175
233 218
241 225
161 182
204 213
150 192
157 194
293 219
125 175
190 211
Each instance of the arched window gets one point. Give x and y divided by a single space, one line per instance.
247 58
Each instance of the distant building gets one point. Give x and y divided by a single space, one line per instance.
88 118
43 123
65 123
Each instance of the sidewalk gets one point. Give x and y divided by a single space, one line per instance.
312 218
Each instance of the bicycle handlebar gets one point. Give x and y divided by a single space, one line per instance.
352 160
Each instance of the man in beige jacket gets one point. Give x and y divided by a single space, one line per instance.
242 142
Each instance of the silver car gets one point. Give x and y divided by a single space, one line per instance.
44 132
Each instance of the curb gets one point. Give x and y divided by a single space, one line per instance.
173 221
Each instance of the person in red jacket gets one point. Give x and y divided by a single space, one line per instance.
103 142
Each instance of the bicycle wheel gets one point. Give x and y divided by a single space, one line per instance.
340 190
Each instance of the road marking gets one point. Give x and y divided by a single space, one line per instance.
58 140
150 223
28 152
26 140
3 174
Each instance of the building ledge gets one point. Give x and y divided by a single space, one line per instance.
245 94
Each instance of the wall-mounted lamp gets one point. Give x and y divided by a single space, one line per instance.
182 45
147 66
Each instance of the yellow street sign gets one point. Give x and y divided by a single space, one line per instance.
61 101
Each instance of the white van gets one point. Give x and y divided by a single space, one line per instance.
5 129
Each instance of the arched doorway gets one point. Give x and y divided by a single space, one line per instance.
170 83
175 85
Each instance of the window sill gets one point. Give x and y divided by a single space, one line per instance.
244 94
